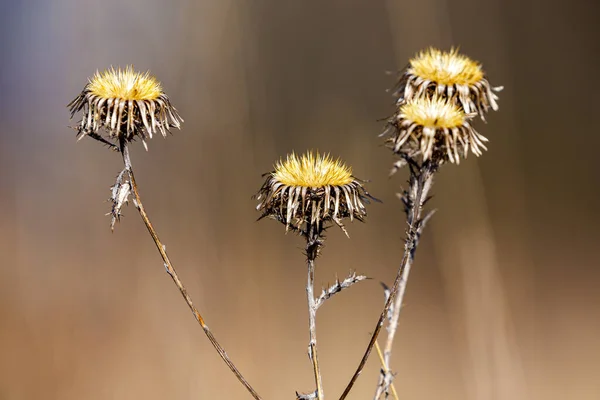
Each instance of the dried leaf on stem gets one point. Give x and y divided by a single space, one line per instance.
338 287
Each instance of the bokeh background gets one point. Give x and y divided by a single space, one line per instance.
502 303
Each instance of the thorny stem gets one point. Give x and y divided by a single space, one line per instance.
420 182
173 274
313 245
397 306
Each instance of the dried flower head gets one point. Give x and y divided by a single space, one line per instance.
312 189
435 127
448 74
124 104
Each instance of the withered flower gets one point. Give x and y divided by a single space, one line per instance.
451 75
433 127
124 104
312 189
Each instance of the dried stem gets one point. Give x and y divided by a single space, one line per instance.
313 245
171 271
420 182
393 324
392 328
384 382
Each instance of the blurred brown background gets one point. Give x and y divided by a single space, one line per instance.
502 302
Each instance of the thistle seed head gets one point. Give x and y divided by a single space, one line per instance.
123 104
312 189
435 128
451 75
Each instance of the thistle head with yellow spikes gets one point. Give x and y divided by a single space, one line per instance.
435 128
448 74
123 104
312 189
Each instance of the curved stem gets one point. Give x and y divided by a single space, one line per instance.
420 182
171 271
313 245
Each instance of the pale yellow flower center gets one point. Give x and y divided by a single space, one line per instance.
447 68
435 112
125 84
313 171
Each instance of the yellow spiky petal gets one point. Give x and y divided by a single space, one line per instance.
310 170
125 84
446 68
435 112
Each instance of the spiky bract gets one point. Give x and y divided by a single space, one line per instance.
124 103
312 189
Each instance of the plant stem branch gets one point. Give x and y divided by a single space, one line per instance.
171 271
313 244
420 182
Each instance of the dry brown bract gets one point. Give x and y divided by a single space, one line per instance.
451 75
312 189
434 127
124 104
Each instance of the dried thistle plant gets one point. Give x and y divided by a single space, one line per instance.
306 193
437 96
118 106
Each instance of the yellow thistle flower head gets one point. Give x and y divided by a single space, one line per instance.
449 74
123 104
310 190
436 128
